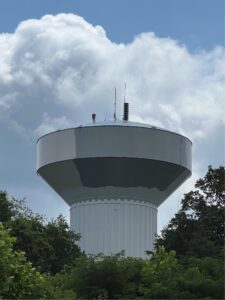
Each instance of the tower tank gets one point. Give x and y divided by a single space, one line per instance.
114 175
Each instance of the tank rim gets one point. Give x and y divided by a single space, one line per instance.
114 124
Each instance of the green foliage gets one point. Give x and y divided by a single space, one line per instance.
95 276
204 277
160 275
18 279
198 228
6 207
62 241
195 270
164 276
59 285
98 276
132 272
44 243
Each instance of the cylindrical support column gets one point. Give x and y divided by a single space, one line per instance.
111 225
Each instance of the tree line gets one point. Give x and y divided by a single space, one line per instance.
40 258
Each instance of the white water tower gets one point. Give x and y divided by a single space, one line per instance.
114 175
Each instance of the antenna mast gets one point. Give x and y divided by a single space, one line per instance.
125 87
114 115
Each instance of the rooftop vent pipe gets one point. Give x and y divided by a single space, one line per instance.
93 117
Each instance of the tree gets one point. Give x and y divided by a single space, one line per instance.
6 207
198 228
188 262
203 278
160 275
166 277
18 279
63 242
132 272
48 245
98 276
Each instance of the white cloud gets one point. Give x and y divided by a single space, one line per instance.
63 61
51 124
57 70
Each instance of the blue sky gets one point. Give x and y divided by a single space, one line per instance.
54 71
197 23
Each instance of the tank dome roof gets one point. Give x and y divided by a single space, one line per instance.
119 123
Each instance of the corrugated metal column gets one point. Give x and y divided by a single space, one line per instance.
111 225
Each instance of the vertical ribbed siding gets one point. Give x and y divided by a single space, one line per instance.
110 225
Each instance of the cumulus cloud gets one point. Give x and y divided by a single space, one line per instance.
57 70
63 62
50 124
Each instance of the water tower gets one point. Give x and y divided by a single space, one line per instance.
114 175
